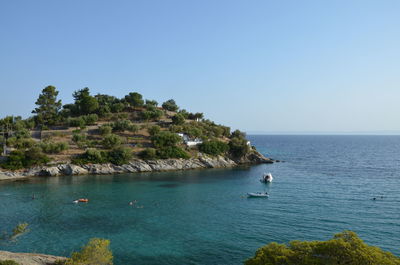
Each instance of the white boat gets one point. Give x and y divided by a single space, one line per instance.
266 178
257 195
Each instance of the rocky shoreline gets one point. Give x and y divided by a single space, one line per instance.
30 258
137 165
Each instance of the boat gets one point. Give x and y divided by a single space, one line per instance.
82 200
257 195
267 178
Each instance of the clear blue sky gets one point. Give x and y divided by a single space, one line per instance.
275 66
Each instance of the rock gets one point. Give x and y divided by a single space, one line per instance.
30 258
50 171
137 165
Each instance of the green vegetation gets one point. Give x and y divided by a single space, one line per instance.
48 106
343 248
170 105
214 147
111 141
96 252
106 129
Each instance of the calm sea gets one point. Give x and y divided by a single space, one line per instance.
325 186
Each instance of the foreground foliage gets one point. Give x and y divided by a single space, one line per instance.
344 248
96 252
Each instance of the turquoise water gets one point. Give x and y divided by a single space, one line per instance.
325 186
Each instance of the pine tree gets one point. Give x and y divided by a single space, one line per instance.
48 106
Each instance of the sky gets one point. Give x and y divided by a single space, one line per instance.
260 66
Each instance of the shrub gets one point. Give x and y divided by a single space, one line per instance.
111 141
238 147
76 122
78 137
178 119
24 143
54 148
213 147
120 155
164 139
23 159
148 153
343 248
172 152
91 155
151 114
153 130
124 125
170 105
90 119
117 107
97 251
105 129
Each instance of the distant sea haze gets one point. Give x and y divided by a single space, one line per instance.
326 185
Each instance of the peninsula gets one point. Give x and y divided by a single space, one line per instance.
103 134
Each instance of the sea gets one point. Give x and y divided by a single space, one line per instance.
324 185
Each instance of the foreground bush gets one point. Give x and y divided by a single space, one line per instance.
96 252
344 248
23 159
120 155
148 154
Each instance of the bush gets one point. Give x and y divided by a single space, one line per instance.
54 148
170 105
151 114
91 155
124 125
153 130
111 141
120 155
165 139
78 137
97 251
105 129
23 159
148 154
178 119
117 107
238 147
76 122
172 152
213 147
90 119
20 229
343 248
23 143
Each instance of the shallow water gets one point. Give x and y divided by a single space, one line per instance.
325 186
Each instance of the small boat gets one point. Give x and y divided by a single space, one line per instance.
83 200
267 178
257 195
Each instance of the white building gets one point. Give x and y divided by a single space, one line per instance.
188 141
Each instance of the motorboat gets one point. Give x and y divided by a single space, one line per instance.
257 195
267 178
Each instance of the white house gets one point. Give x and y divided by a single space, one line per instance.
188 141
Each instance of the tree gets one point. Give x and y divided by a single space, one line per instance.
344 248
84 102
151 103
97 251
178 119
48 106
170 105
164 139
134 99
213 147
111 141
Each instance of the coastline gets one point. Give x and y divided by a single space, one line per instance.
137 165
